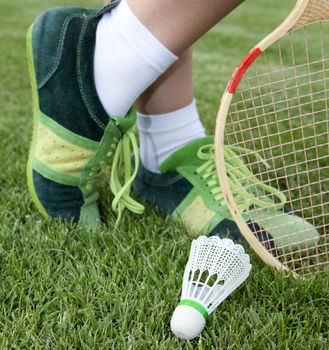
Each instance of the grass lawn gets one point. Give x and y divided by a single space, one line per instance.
64 289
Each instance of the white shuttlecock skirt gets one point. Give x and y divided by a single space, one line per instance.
215 268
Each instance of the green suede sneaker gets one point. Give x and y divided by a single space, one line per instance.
188 189
183 191
72 134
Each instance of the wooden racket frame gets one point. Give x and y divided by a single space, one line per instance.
302 15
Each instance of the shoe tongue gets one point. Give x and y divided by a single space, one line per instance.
186 156
127 122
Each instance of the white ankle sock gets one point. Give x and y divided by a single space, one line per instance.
128 59
163 134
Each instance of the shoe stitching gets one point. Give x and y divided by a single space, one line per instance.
163 183
61 40
172 181
83 95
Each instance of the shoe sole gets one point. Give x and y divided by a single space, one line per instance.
29 167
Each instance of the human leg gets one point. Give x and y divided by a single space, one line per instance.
178 24
118 84
180 189
147 38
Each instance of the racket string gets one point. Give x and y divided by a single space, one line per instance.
281 112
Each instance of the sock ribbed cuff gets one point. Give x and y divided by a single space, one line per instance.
163 134
166 122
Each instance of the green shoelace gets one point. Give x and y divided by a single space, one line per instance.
240 178
122 160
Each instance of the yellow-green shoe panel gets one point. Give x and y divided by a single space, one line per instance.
290 232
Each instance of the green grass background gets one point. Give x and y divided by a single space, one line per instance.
64 289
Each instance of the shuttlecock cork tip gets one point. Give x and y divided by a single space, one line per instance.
187 322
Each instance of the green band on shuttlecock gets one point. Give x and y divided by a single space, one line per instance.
195 306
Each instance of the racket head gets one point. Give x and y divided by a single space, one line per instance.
272 143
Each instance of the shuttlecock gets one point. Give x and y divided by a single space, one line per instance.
216 267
